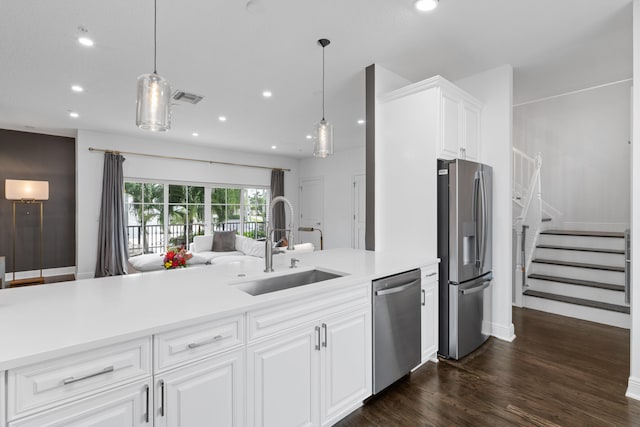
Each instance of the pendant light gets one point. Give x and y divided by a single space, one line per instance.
323 144
153 110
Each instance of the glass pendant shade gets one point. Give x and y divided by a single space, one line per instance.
323 145
154 103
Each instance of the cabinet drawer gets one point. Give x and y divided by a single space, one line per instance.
55 381
262 323
195 342
429 274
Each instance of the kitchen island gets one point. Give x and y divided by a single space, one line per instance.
155 348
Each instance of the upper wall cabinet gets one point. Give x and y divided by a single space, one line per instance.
459 123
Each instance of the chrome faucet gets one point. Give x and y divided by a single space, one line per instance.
268 248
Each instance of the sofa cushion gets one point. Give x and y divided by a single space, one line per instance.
211 255
224 241
202 243
249 246
147 262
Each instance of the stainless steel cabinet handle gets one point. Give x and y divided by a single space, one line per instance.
396 289
318 338
424 297
72 380
433 273
146 393
162 398
324 327
205 342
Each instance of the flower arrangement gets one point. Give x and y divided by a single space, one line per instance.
176 257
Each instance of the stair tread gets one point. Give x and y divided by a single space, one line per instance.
577 282
579 248
578 264
578 301
584 233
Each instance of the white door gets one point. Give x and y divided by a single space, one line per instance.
202 394
282 380
311 209
345 363
127 406
450 126
471 131
359 212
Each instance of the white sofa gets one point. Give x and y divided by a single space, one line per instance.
203 255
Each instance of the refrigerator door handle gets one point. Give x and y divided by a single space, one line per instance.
485 219
485 284
474 217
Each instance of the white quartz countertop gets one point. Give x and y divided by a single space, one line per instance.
42 322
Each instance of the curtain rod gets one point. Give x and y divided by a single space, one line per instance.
159 156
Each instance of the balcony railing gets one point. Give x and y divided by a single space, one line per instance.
151 238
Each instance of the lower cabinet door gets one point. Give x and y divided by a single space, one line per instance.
283 383
127 406
429 319
345 363
207 393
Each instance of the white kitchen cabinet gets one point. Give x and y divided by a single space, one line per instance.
207 393
283 380
127 406
3 410
345 358
313 374
429 313
415 126
459 124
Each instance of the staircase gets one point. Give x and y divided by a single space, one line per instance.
579 274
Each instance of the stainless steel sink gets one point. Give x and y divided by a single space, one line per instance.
279 283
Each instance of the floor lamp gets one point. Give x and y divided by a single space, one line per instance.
29 192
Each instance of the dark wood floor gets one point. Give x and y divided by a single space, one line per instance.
558 371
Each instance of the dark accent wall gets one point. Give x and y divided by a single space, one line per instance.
370 200
32 156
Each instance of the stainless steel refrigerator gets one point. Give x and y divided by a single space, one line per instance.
464 249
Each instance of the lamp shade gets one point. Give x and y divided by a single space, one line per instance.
154 103
323 145
16 189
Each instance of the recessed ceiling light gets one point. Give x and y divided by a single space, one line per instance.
273 147
85 41
74 114
309 137
267 94
222 118
360 122
77 88
195 134
426 5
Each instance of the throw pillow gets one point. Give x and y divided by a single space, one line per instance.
224 241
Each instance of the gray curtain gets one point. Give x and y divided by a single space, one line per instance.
112 230
278 215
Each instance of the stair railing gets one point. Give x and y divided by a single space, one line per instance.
530 217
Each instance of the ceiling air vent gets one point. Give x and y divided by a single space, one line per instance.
190 98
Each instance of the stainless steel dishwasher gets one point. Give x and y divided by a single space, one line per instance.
396 327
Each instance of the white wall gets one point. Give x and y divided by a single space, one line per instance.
634 376
337 172
495 89
583 138
89 177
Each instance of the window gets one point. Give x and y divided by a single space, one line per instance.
170 214
144 204
241 210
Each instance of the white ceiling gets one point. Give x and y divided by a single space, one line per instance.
218 49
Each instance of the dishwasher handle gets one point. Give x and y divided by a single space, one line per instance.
396 289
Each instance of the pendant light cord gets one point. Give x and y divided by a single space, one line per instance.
155 37
323 83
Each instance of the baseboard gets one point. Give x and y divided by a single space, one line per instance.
83 276
633 390
593 226
502 332
59 271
